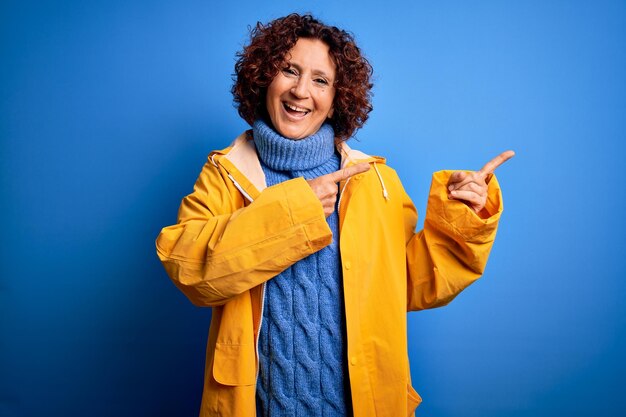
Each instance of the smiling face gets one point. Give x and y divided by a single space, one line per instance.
300 97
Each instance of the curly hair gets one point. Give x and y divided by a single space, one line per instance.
260 61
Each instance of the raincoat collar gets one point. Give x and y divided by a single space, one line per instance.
241 162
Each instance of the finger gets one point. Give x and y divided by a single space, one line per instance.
329 204
455 178
472 178
329 201
473 186
467 196
329 189
345 173
496 162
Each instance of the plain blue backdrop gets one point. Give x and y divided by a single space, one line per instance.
108 110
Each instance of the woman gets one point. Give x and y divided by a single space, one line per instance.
306 249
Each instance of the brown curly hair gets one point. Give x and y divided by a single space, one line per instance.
264 57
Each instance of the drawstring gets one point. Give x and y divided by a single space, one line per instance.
382 183
341 193
235 183
240 188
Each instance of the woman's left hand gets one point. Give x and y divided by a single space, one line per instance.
471 188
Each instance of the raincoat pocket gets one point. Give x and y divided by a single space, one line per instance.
234 365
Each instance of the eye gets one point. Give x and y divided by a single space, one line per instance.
290 71
320 81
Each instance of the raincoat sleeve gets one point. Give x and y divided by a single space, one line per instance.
451 251
221 247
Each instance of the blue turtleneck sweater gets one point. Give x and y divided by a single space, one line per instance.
302 370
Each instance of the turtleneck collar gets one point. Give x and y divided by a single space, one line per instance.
284 154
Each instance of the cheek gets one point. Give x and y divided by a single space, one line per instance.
273 111
273 95
331 106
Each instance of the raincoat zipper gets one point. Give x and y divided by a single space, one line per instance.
256 342
250 199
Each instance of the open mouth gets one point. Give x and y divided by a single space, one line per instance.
295 110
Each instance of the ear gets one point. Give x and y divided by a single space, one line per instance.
331 112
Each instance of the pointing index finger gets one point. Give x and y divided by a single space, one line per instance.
496 162
345 173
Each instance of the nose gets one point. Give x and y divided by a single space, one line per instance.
300 88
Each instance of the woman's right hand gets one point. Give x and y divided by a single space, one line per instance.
326 186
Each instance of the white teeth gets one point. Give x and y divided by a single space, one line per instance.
296 108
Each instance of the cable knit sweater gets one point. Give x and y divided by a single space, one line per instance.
302 370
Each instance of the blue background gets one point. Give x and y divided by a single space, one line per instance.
108 110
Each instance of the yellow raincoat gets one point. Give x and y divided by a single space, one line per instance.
234 233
